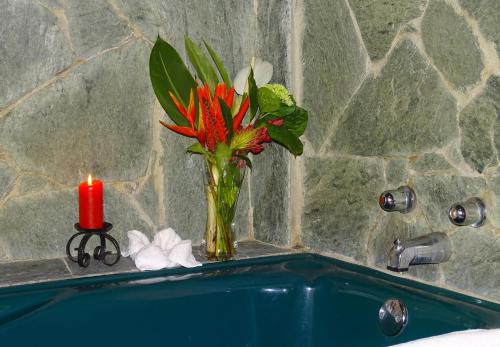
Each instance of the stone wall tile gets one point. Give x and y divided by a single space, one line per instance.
33 48
404 111
270 195
475 263
96 120
486 13
436 194
430 163
395 172
340 205
379 22
94 27
335 65
7 177
451 44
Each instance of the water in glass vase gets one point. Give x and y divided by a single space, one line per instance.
222 188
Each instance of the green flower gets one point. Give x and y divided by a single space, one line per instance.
281 92
272 96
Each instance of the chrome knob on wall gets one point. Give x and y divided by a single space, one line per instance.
471 212
402 200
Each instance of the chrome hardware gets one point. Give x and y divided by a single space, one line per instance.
471 212
402 199
392 317
432 248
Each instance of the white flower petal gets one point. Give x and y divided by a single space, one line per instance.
240 81
263 72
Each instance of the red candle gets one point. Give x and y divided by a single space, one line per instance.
90 203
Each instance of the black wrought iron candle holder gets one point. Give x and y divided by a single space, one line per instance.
100 253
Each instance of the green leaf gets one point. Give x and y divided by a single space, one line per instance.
253 95
268 101
285 138
284 110
246 159
219 65
201 64
296 122
228 117
168 73
197 148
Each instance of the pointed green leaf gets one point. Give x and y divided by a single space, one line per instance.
196 148
201 64
168 72
228 118
285 138
220 66
253 94
296 122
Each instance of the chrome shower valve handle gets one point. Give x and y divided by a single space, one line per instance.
471 212
402 200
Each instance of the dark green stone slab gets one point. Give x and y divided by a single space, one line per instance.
96 120
335 65
451 44
379 21
400 112
341 204
33 48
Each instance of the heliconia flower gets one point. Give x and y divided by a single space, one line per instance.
241 114
262 73
213 121
189 115
250 139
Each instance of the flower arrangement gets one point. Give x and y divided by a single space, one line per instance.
229 121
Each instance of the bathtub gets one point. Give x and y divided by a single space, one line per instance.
292 300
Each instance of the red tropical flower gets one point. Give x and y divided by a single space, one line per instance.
189 115
211 128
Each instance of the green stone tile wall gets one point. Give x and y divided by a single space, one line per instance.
400 92
75 98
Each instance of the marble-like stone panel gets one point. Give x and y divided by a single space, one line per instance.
270 195
430 163
451 45
335 63
475 263
486 13
96 120
341 204
401 112
379 22
7 177
33 48
94 26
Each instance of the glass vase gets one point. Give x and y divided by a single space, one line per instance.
222 188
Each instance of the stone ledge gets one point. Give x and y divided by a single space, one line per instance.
38 271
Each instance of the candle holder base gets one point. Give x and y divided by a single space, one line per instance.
100 252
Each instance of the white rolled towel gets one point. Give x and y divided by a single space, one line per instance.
465 338
166 251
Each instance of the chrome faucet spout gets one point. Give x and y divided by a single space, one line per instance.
433 248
